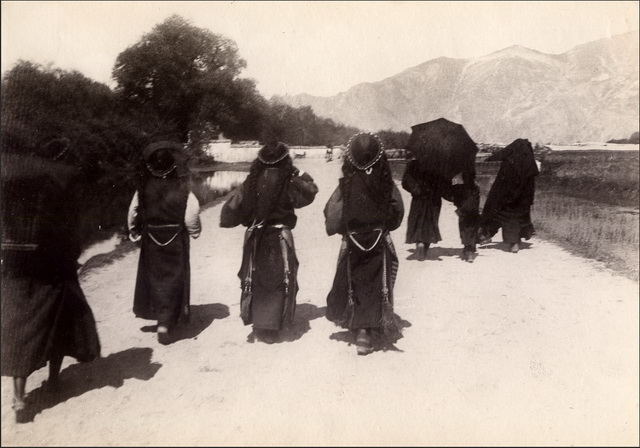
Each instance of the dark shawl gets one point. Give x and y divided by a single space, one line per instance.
514 186
44 311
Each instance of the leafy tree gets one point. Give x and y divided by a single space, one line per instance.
187 77
301 126
41 103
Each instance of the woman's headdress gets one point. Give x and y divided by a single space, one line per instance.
162 158
364 150
272 153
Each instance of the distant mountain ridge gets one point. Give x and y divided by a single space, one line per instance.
589 93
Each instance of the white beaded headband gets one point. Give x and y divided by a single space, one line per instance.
374 161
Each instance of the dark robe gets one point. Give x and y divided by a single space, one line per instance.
367 262
466 198
163 281
508 204
269 269
45 314
424 213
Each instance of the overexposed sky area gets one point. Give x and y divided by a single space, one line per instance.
320 48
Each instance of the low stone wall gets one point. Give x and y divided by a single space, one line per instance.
241 153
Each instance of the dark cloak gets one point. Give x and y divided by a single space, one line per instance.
424 213
45 314
509 201
370 273
163 282
266 205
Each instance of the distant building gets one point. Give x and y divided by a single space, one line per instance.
217 148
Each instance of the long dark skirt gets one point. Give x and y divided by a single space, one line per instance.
44 318
515 223
270 265
422 224
467 202
365 271
164 278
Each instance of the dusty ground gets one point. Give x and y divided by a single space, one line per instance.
537 348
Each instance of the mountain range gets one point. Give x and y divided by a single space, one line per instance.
589 93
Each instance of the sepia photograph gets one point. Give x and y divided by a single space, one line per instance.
320 223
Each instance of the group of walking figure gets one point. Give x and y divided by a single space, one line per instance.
45 315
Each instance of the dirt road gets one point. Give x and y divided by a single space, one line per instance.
534 348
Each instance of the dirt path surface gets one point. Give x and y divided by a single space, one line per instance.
534 348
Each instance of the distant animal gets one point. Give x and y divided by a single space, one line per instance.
299 154
328 155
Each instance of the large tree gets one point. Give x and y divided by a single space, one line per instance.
188 78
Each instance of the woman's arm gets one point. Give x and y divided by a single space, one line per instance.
304 189
333 213
397 209
231 214
132 218
192 216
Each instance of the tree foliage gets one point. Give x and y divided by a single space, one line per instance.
301 126
41 103
187 77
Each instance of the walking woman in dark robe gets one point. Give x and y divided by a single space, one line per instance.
265 203
364 208
508 204
45 315
163 214
424 213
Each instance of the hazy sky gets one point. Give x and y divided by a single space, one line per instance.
320 48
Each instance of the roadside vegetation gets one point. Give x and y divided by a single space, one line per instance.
588 203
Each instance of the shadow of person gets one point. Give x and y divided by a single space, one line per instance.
348 336
412 255
505 247
81 378
435 253
381 341
305 312
201 317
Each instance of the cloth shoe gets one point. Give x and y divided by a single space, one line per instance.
469 254
20 408
363 342
163 335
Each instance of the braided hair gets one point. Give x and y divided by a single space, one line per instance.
285 171
377 176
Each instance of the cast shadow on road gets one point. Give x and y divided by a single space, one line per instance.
81 378
504 247
380 342
305 313
436 253
202 316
